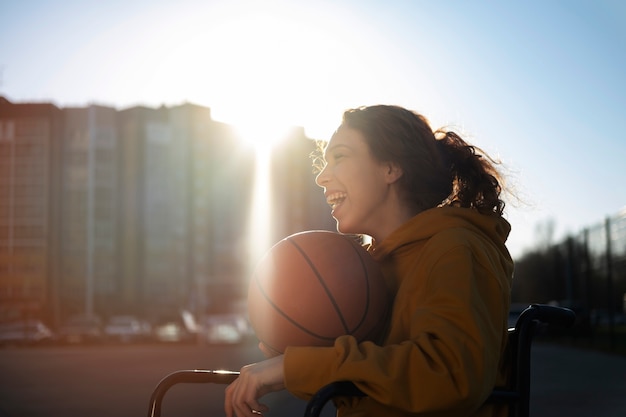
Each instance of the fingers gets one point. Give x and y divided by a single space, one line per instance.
254 381
240 401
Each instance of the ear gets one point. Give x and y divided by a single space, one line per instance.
393 172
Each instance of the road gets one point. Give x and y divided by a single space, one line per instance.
117 381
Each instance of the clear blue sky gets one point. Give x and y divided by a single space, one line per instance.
539 84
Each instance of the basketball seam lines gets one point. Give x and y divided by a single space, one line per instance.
289 319
326 289
367 282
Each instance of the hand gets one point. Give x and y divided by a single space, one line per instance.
254 381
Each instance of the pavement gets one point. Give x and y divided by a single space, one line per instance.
575 382
118 380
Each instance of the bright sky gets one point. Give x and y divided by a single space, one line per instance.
541 84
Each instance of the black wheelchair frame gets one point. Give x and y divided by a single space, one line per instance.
516 393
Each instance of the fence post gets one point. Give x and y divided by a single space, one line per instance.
609 284
570 293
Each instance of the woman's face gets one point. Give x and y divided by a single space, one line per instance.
355 184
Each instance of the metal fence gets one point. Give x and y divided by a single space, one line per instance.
586 272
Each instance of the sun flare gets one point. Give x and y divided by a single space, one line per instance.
260 71
259 222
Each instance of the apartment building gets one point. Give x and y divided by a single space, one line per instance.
142 210
299 203
220 173
88 278
30 139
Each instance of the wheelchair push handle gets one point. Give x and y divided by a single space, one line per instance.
552 315
189 376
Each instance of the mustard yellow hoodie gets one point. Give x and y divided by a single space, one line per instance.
451 276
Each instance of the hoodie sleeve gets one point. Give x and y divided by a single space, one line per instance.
444 346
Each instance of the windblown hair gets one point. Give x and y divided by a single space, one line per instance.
439 167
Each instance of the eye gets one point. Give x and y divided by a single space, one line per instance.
338 156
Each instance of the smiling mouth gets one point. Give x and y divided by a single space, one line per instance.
335 199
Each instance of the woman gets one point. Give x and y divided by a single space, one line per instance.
431 204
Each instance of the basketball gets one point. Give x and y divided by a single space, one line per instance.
313 287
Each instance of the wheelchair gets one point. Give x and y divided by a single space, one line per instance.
516 393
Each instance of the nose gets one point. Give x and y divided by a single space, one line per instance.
322 177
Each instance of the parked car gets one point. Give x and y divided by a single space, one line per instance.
127 329
176 328
172 332
226 329
25 332
81 329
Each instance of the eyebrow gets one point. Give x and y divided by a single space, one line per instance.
334 147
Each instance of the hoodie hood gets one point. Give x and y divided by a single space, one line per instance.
429 223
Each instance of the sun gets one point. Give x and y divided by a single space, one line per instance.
263 71
260 134
263 86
